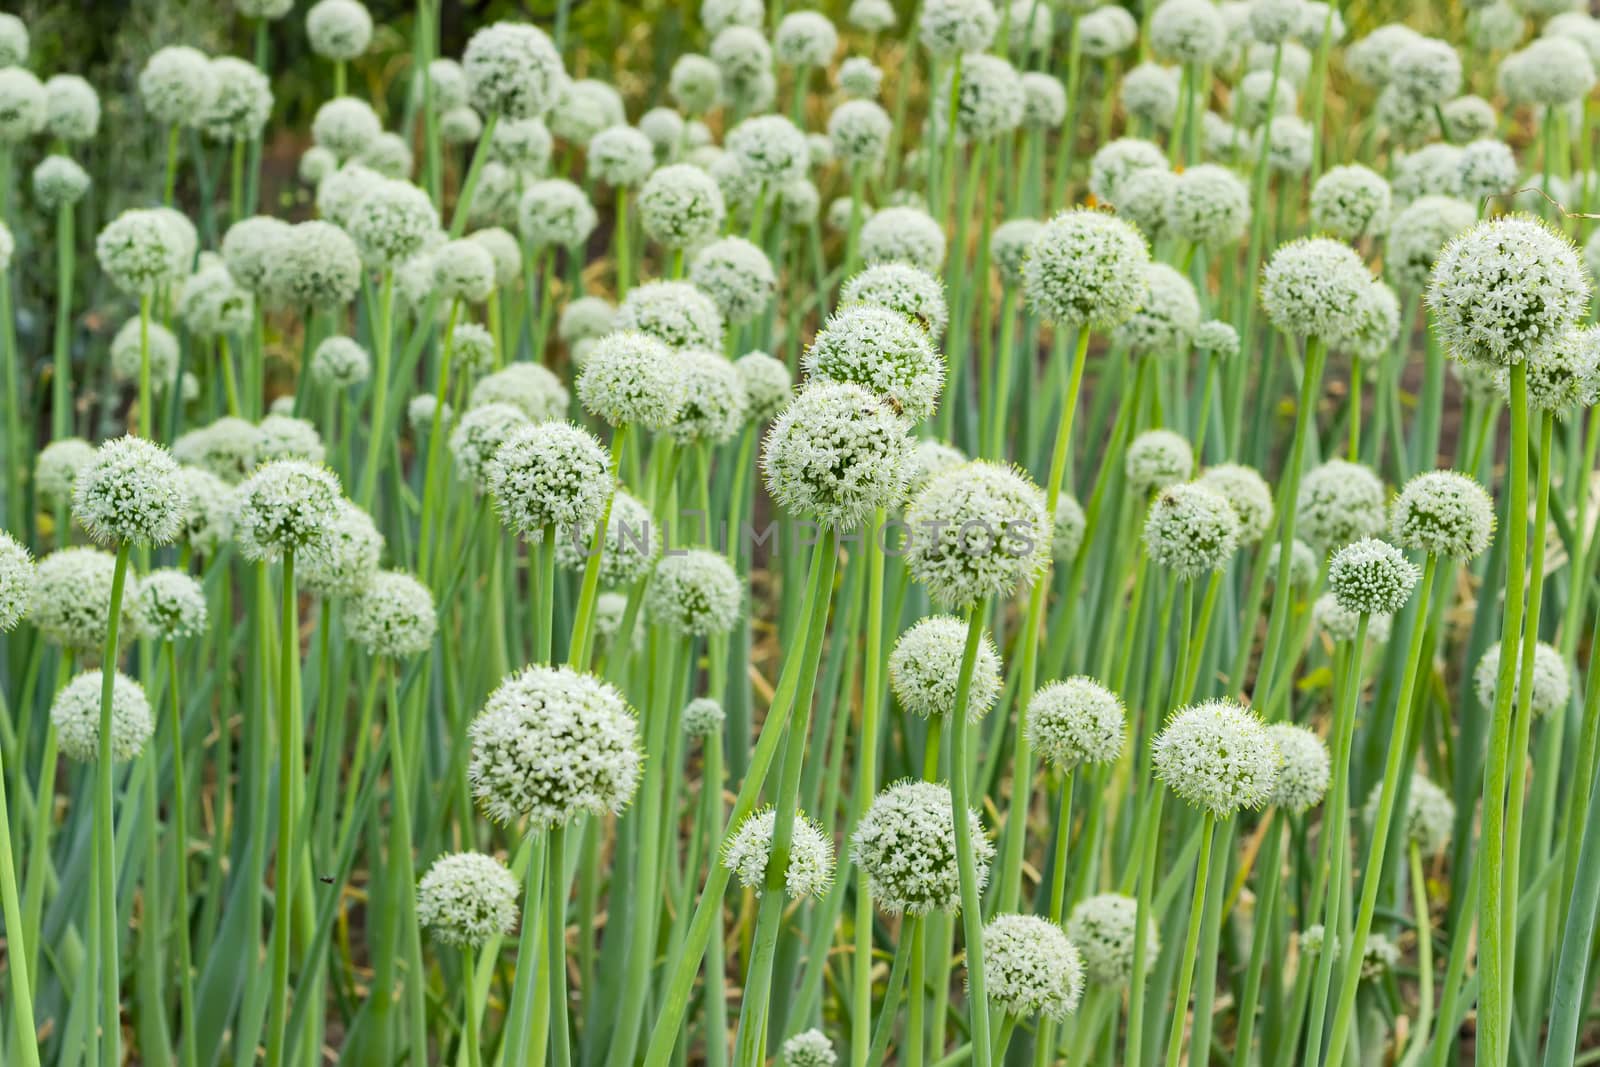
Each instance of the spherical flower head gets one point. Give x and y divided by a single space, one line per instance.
170 605
340 363
771 148
1467 118
1076 720
55 469
1563 377
695 83
1103 927
394 616
1377 324
1156 459
926 663
1311 285
718 15
176 85
631 543
208 519
133 344
138 252
344 561
269 10
930 458
226 448
1217 756
1009 247
13 41
1272 21
1187 31
286 437
252 247
809 1048
586 317
859 78
1247 492
318 265
1069 529
703 718
859 131
1432 170
1340 502
212 304
1167 317
681 205
513 69
1209 204
1107 31
768 388
884 351
1341 624
1430 815
1428 70
1190 529
1030 967
715 407
1417 235
903 234
285 506
529 387
1369 59
1505 289
1087 268
59 182
1550 72
737 275
949 28
1303 566
977 531
550 475
392 223
24 106
339 30
906 844
1217 339
552 743
872 16
467 898
633 379
989 99
744 62
346 125
664 128
1255 100
71 603
1444 513
478 435
1486 168
1143 199
1552 679
1044 98
1114 161
620 156
16 581
72 108
805 39
678 314
839 452
129 493
810 870
1304 773
1149 92
464 270
241 104
900 287
75 714
694 593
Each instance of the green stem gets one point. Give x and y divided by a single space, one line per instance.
1191 945
105 828
555 926
180 837
288 776
971 898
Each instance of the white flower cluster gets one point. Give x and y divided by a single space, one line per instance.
170 605
1217 756
393 616
16 581
1103 927
1371 577
467 898
906 844
810 872
694 593
1087 268
1339 502
1304 773
925 668
1190 529
551 744
1445 513
1552 679
881 350
549 476
130 493
978 531
1076 720
1030 967
837 452
285 506
75 714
